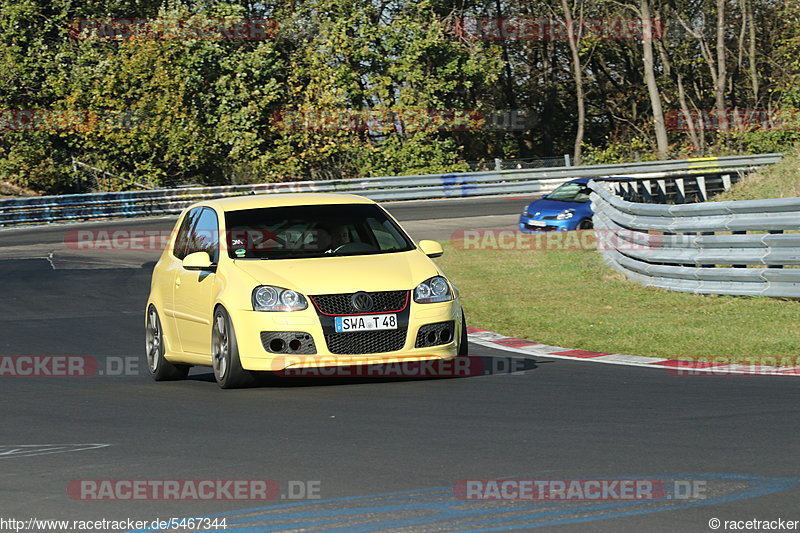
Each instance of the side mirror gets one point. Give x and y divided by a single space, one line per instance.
431 248
198 261
544 196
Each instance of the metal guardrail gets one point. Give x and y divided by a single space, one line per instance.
735 247
677 189
76 207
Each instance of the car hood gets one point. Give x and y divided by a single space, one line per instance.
331 275
547 207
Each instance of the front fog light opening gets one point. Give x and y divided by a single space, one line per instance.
435 334
446 335
277 345
288 342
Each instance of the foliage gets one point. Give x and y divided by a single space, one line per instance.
637 148
348 89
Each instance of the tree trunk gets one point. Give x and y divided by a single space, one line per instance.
722 72
751 52
577 73
687 115
650 78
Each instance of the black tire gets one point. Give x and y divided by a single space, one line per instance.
228 369
463 345
160 369
586 223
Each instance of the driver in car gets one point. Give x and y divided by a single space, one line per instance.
337 235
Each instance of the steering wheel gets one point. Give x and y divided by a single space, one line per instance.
354 247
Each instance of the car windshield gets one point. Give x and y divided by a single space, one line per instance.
313 231
571 192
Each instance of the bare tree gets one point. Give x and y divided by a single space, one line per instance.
648 34
750 21
716 61
722 71
685 112
577 73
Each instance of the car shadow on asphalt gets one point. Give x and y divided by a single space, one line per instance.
458 368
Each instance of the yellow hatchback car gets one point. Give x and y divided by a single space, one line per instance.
288 281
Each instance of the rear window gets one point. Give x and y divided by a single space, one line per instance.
313 231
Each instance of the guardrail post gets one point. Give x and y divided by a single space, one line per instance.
647 191
739 233
775 232
680 187
662 191
707 233
701 187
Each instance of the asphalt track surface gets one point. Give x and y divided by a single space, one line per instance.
384 454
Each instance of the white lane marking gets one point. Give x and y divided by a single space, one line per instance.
688 368
629 359
30 450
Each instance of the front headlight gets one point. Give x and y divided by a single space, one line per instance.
268 298
565 214
433 290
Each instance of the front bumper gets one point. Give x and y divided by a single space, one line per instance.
531 225
253 354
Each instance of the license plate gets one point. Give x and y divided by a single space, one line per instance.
537 223
344 324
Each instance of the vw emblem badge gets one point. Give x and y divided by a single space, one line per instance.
362 302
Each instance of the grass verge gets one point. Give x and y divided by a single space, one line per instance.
781 180
571 299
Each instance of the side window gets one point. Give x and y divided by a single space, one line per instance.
387 236
182 240
204 235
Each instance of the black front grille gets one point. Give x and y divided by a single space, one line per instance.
366 342
541 228
340 304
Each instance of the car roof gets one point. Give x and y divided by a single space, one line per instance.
605 178
255 201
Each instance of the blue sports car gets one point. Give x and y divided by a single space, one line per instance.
566 208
